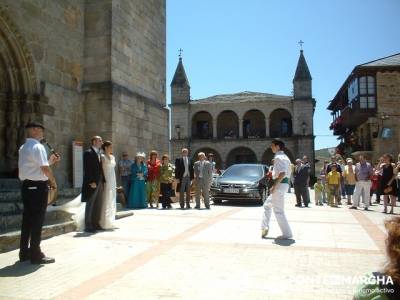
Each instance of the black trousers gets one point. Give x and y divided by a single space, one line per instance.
93 208
301 193
34 198
166 190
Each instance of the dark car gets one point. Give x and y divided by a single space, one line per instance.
242 182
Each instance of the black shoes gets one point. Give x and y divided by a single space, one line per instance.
43 260
24 256
37 260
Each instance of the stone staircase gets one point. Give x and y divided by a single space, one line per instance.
57 221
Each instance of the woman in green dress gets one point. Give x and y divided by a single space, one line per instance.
166 179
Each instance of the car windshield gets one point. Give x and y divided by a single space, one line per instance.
244 171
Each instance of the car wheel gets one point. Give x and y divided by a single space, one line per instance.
217 201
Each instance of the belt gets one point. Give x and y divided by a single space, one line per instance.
284 180
34 181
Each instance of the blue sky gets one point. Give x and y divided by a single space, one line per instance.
235 45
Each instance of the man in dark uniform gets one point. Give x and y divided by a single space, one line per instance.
92 186
35 173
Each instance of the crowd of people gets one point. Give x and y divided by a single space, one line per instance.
149 183
350 182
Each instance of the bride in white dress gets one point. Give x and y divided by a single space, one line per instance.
108 211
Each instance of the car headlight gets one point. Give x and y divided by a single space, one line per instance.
254 185
214 184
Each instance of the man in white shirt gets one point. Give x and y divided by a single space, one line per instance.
280 174
34 172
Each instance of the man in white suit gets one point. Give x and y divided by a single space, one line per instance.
203 177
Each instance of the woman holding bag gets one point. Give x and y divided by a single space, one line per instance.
388 183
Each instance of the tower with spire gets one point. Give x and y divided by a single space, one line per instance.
180 88
302 80
180 104
303 107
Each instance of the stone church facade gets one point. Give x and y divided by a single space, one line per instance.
82 68
238 128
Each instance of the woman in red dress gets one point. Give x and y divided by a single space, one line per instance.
153 179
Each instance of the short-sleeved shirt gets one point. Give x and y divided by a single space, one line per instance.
281 164
364 171
333 178
32 156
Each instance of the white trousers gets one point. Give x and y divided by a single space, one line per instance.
363 187
276 201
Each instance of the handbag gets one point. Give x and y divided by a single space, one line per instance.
388 189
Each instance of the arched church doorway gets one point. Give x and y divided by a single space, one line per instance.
17 84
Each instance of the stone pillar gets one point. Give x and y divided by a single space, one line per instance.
240 128
215 134
266 127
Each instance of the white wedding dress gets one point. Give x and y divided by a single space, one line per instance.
107 216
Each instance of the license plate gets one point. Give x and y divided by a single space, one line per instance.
231 191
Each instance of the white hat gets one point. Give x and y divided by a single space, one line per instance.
141 154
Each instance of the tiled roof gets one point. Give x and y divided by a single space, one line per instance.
393 60
243 97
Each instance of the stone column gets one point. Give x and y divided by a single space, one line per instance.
215 134
267 127
240 128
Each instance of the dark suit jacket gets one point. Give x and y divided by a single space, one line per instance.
301 175
180 168
92 172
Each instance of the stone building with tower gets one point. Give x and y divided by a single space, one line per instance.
238 128
82 68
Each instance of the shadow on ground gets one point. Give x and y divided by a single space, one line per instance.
19 269
238 203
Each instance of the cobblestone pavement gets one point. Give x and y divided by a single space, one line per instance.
206 254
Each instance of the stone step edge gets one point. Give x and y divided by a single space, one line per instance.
10 241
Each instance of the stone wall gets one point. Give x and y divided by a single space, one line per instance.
138 123
138 70
138 47
99 69
388 96
53 33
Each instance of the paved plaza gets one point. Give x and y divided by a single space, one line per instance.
206 254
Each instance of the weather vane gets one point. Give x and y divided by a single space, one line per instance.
301 44
180 53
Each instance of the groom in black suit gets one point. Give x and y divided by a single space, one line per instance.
184 175
92 187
